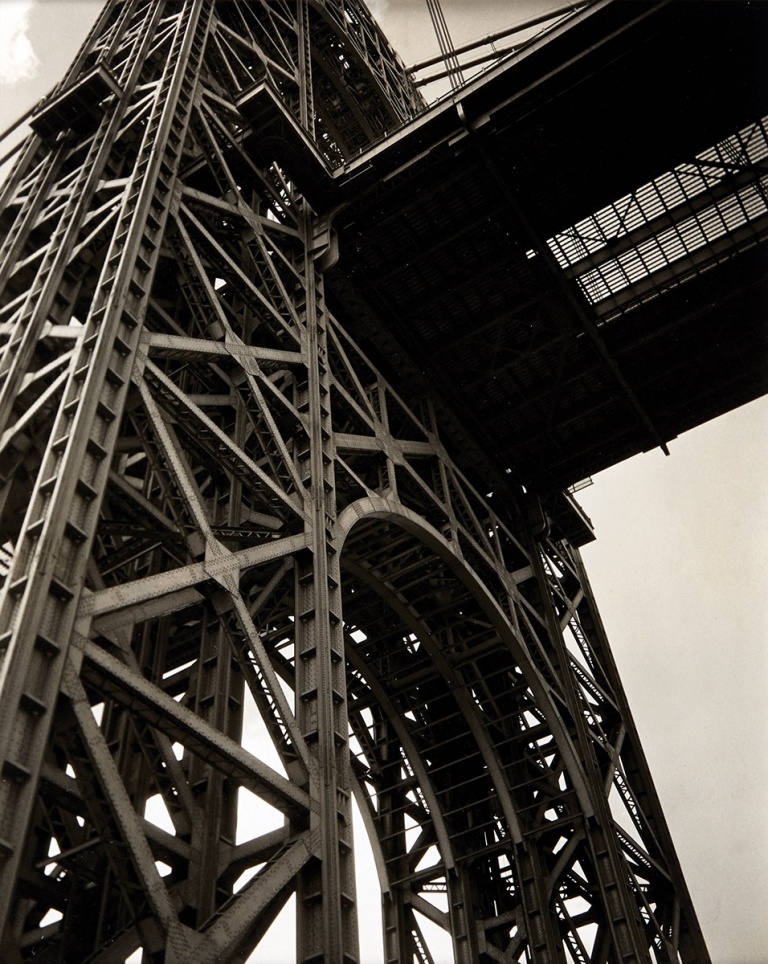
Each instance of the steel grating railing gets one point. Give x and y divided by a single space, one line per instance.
672 228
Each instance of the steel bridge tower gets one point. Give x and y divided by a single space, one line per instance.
240 564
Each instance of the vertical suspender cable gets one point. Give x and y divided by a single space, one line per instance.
445 42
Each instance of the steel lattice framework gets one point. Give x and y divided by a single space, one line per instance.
216 507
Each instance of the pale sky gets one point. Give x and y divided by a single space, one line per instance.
679 567
18 60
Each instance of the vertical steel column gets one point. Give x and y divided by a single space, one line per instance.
326 896
218 691
306 93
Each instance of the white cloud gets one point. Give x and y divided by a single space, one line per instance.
377 7
18 60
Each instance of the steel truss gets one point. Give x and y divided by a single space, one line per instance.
216 508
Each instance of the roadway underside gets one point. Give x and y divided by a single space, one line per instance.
571 249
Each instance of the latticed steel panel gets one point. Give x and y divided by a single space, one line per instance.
215 508
679 225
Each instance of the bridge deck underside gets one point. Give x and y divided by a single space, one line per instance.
567 341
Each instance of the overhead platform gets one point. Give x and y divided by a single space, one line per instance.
78 106
572 247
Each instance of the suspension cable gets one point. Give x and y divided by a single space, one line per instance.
449 55
445 43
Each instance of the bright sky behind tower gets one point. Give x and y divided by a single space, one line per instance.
18 60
